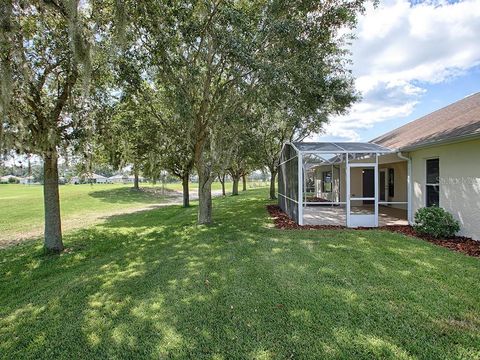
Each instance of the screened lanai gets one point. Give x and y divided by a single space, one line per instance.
344 183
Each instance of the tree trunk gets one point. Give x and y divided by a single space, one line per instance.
273 175
29 166
135 179
186 194
222 181
235 184
204 194
244 180
51 198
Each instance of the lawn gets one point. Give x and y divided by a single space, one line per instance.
81 205
155 285
22 206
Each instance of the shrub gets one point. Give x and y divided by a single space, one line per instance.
436 222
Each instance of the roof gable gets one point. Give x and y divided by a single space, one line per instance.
455 121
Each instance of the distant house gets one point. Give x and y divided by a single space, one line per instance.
95 179
28 180
8 179
89 179
118 179
432 161
131 179
124 179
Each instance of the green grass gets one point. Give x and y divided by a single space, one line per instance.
155 285
22 206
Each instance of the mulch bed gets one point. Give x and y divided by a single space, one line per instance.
458 243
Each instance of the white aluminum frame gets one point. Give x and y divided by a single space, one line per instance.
409 186
385 171
363 220
302 179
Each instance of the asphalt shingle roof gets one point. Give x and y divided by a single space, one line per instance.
458 120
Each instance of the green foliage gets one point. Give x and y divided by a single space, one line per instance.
212 62
435 221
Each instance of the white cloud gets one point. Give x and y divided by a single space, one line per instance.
401 48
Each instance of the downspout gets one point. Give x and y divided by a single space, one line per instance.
409 186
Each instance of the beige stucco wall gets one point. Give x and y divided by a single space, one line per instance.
400 170
339 182
356 182
459 182
334 194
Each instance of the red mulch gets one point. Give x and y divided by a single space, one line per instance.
458 243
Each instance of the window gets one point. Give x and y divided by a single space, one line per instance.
433 183
391 182
327 181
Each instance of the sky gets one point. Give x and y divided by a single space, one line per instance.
409 59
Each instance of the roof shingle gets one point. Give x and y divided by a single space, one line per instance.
455 121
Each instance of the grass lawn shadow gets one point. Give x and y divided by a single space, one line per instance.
126 195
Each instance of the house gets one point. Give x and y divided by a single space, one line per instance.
96 179
131 179
28 180
432 161
8 179
444 154
124 179
119 179
89 179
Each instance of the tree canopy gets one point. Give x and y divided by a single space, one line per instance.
205 86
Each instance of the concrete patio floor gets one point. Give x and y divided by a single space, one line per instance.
337 215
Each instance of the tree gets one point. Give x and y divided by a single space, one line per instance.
276 126
243 153
47 53
176 157
172 150
195 56
46 102
210 56
130 135
221 178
